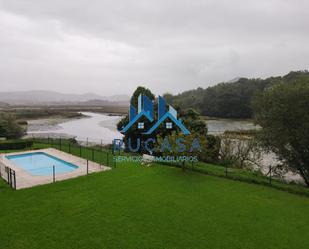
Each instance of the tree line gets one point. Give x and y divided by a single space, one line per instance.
230 100
279 105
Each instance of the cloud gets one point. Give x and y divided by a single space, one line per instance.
110 47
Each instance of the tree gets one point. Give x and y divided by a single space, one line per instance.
9 128
133 132
239 151
231 99
193 121
141 90
190 118
283 113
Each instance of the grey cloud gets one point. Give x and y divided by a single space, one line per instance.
110 47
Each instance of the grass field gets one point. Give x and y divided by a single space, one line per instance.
156 207
104 157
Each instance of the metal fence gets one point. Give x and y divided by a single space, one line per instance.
84 141
52 174
100 153
95 151
103 155
88 159
8 175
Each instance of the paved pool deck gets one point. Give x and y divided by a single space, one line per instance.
25 180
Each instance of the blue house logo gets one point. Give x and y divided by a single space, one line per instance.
167 116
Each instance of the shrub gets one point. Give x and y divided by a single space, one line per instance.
9 128
15 144
211 154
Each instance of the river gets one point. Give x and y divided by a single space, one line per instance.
102 128
97 126
219 126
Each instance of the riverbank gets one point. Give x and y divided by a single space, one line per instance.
97 128
92 128
23 113
217 126
102 123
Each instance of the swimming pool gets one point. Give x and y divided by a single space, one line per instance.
41 164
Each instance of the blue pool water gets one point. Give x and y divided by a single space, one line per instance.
41 164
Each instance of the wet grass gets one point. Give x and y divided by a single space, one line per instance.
152 207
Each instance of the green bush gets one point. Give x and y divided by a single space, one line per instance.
9 128
211 154
15 144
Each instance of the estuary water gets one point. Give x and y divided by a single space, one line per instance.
102 128
95 128
98 126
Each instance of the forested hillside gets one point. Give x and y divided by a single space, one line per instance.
230 100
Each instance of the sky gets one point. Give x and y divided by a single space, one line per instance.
111 47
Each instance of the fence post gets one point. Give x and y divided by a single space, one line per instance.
101 145
60 143
8 173
10 177
183 166
270 174
7 169
87 141
113 154
14 180
87 166
54 177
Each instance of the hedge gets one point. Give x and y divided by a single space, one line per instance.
15 144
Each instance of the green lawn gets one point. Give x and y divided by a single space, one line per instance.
156 207
104 157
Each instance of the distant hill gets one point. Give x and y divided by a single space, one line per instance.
98 102
47 97
3 104
231 99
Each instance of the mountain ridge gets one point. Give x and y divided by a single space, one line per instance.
44 96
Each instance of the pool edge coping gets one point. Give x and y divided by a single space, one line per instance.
26 180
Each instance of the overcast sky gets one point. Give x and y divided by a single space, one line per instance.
110 47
